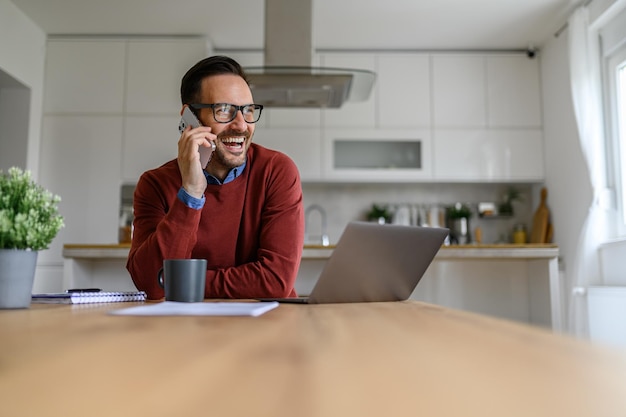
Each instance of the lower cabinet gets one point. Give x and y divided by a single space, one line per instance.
513 283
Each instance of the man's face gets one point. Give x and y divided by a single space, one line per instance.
234 137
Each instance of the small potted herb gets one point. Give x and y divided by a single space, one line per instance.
505 208
379 214
458 217
29 221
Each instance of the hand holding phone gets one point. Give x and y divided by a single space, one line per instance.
190 119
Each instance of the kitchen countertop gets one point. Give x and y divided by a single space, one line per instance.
499 251
102 266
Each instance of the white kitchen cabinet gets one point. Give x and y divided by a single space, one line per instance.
84 76
404 90
81 163
487 118
149 142
380 155
459 91
488 155
155 69
513 91
304 146
495 91
360 114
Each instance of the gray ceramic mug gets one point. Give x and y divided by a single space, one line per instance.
183 279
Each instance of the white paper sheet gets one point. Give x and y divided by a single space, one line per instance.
172 308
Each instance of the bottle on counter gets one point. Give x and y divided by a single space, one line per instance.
478 235
519 234
125 231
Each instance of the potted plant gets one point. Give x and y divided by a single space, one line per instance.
505 208
458 216
379 214
29 221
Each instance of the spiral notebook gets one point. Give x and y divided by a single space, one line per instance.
89 297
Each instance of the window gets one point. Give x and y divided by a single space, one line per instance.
620 128
616 94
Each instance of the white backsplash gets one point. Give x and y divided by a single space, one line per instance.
347 202
343 203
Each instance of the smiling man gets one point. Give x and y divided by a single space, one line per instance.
242 212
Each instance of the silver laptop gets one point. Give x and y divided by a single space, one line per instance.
373 262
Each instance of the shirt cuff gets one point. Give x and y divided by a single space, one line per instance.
189 200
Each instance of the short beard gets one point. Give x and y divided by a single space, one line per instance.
221 157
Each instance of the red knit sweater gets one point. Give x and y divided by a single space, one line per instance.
250 230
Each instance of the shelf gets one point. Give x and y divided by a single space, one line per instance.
496 216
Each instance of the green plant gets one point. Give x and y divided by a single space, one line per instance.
29 216
459 211
506 206
376 212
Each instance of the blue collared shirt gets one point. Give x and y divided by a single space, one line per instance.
198 203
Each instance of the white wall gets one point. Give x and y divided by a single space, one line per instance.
22 57
14 112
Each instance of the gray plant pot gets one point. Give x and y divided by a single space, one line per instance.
17 273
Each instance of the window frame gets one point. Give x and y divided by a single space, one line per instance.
616 132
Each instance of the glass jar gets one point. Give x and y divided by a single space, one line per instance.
125 231
519 234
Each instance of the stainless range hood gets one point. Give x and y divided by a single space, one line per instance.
288 78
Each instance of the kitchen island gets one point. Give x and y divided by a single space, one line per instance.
516 282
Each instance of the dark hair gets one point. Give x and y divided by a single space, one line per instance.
191 83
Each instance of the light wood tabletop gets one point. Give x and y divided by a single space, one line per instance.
373 359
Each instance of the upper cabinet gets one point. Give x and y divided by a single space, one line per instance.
303 146
376 155
154 71
513 92
459 91
493 155
134 80
84 76
404 90
492 91
487 118
351 114
436 116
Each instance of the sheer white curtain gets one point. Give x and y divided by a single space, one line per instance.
587 99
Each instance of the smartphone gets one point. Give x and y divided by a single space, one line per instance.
190 119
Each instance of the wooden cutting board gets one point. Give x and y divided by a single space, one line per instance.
541 221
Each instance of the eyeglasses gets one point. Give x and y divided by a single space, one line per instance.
226 112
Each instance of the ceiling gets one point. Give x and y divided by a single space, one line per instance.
338 24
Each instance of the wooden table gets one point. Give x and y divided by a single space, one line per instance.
378 359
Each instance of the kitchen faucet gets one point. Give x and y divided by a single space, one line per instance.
322 212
